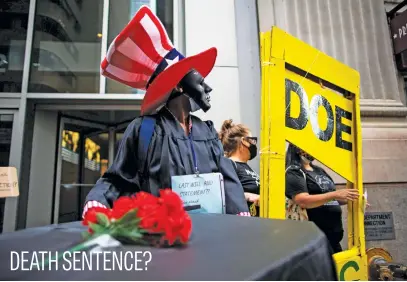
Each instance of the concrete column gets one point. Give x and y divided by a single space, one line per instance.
212 24
42 172
231 27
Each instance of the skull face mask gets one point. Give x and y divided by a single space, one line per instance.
197 90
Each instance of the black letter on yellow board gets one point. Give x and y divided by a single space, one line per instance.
301 121
340 127
316 102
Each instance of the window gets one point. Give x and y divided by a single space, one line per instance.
66 47
13 33
120 13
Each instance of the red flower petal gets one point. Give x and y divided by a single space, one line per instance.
121 206
164 215
90 216
173 221
171 199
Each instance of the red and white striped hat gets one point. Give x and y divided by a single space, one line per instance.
142 56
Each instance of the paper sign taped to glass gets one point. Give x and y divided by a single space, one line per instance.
8 182
201 193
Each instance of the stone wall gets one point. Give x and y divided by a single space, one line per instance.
388 198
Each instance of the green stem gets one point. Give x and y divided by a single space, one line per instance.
78 247
111 229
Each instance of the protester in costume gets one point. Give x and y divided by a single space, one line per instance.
166 141
309 186
240 147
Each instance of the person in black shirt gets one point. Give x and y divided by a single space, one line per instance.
240 147
312 188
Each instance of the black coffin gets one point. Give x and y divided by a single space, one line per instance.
222 247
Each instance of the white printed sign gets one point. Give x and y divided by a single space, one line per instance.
8 182
202 193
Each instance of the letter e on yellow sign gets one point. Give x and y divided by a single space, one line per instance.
8 182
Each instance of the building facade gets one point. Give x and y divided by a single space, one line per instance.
61 121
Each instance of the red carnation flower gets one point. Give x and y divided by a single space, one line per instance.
90 216
171 200
150 215
122 206
178 227
174 222
161 217
143 199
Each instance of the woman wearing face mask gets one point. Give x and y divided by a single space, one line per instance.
240 147
310 187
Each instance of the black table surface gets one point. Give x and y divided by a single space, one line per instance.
222 247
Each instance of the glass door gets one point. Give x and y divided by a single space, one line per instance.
83 156
118 134
95 161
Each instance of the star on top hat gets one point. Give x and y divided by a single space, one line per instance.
142 56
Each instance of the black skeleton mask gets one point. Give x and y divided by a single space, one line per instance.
197 90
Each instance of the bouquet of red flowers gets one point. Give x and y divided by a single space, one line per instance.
142 218
139 219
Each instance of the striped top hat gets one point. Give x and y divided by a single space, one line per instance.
142 56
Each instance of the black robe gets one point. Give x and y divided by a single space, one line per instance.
169 154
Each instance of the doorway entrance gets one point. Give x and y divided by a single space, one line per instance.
84 152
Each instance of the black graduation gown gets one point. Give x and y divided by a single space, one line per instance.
169 154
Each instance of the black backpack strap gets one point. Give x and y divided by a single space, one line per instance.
146 133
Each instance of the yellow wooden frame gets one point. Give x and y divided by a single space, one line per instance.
278 49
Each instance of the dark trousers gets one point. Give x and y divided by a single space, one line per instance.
335 239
